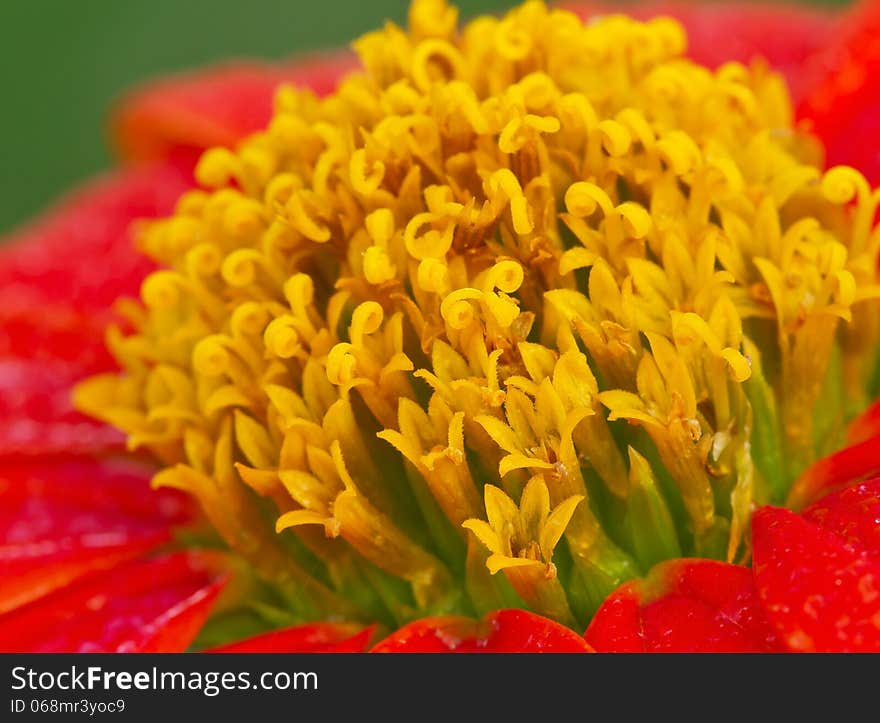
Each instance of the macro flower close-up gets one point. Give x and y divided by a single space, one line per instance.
552 330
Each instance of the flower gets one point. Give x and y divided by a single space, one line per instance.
527 317
522 541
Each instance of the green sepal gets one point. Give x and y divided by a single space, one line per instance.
595 574
766 437
648 522
829 424
874 380
396 594
448 542
713 542
487 592
229 627
352 582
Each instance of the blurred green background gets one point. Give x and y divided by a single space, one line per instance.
62 62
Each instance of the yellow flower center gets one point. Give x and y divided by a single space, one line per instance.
527 251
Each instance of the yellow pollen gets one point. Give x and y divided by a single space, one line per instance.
505 278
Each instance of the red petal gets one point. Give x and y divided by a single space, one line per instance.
865 426
785 34
31 571
148 606
617 625
684 606
820 593
842 105
504 631
58 278
82 495
312 638
37 390
37 414
850 464
183 115
54 332
26 438
81 252
853 513
62 520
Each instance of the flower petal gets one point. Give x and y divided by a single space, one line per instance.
865 426
27 438
820 592
852 463
71 495
81 252
684 605
53 312
31 571
852 513
617 625
62 520
52 333
503 631
842 102
311 638
37 417
146 606
188 113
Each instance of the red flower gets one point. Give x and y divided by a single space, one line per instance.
92 560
